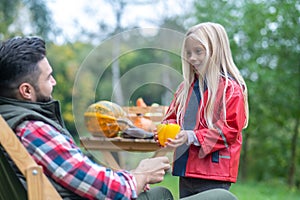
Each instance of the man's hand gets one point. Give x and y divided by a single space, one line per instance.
150 171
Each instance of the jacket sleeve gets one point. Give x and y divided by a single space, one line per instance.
226 131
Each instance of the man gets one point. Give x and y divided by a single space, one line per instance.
26 85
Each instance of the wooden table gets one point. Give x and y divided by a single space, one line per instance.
108 145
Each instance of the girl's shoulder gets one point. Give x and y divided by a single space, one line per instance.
230 84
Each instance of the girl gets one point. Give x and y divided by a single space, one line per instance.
211 107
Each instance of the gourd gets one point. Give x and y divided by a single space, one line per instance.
101 118
165 131
143 123
140 102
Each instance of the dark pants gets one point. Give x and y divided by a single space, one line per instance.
156 193
212 194
191 186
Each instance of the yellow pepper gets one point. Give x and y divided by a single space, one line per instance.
165 131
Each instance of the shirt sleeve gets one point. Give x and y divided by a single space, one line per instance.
63 161
192 139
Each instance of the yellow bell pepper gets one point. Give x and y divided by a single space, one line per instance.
165 131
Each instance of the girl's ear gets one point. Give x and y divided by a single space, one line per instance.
26 92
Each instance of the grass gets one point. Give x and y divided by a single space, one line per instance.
245 191
264 191
170 182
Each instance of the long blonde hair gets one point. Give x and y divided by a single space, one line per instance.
218 63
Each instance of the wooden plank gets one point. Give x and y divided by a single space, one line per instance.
34 180
154 113
14 148
22 158
108 145
132 110
119 144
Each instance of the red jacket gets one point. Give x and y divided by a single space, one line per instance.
218 156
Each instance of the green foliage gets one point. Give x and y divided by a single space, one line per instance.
273 95
264 37
65 61
150 91
7 14
13 14
41 16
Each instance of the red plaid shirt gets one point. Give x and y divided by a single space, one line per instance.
63 161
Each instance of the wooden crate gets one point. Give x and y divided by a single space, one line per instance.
154 113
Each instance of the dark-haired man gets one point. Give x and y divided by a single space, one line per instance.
26 84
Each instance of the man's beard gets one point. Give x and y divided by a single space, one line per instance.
40 97
44 99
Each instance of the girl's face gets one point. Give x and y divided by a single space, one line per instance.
195 54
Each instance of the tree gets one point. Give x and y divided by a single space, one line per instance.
20 15
119 8
271 40
7 13
264 37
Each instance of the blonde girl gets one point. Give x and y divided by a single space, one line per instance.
211 106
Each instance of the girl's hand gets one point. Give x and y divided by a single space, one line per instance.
180 139
155 137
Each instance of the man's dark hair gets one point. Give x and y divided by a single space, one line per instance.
19 57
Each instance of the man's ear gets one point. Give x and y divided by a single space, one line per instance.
26 91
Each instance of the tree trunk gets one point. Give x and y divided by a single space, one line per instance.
167 95
244 157
117 89
292 168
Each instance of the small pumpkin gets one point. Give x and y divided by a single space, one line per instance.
101 118
144 123
165 131
140 102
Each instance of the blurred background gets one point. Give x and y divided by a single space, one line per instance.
265 42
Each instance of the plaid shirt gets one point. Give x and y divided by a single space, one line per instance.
63 161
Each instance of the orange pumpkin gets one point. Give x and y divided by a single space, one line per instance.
101 118
140 102
143 123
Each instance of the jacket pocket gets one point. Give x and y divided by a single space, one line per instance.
214 164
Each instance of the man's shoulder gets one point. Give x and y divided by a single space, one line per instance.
34 125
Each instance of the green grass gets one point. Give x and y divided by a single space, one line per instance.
170 182
264 191
245 191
